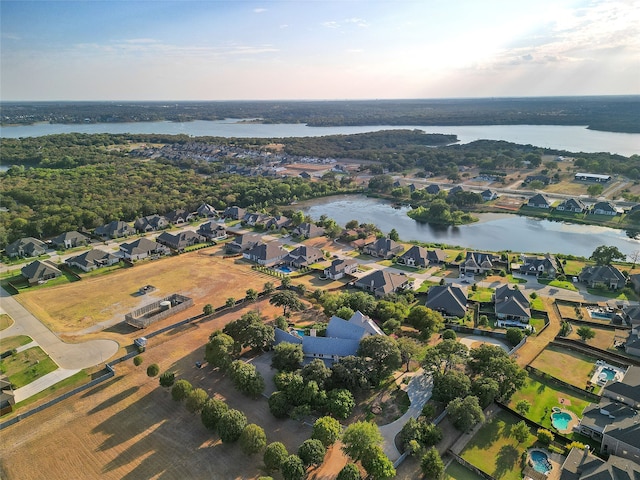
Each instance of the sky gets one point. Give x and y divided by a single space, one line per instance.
317 49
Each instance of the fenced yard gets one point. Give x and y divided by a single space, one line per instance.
571 367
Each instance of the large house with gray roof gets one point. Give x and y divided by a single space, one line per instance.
582 465
234 213
340 267
40 272
70 240
478 262
212 231
307 230
512 307
606 276
181 240
150 223
115 229
265 254
342 337
450 300
303 256
142 248
420 257
383 248
538 201
92 259
537 266
26 247
244 242
572 205
381 282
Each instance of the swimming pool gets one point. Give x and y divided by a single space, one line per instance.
607 374
540 461
284 269
560 420
600 315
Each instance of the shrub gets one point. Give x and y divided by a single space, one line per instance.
167 379
545 436
274 455
153 370
180 390
137 360
449 334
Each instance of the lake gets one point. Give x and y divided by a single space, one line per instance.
494 231
569 138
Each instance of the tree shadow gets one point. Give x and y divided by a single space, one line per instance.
101 386
110 402
506 460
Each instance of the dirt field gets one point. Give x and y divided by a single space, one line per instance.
202 275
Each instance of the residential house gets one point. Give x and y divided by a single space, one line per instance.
242 243
305 175
572 205
454 190
92 259
627 390
478 262
303 256
635 282
212 231
40 272
342 337
341 267
397 184
26 247
420 257
278 223
381 282
412 188
70 240
488 195
7 395
308 230
450 300
606 276
537 266
538 201
234 213
266 254
511 306
383 248
115 229
142 248
181 240
253 219
179 216
582 465
207 211
150 223
432 189
604 208
592 177
632 317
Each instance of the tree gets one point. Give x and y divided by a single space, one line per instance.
362 302
450 385
393 235
378 465
360 438
252 439
274 455
281 323
349 472
465 413
180 390
351 224
327 430
167 379
251 295
250 331
292 468
153 370
279 405
288 300
409 349
231 425
449 334
586 333
207 309
514 336
520 431
317 371
445 356
486 389
340 403
268 288
196 400
137 360
431 464
285 282
383 352
344 312
604 255
420 430
247 378
595 190
545 436
523 407
219 351
491 361
312 452
230 302
287 356
211 412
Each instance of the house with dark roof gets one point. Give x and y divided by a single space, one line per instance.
432 189
488 195
243 243
538 266
383 248
631 316
7 395
142 248
582 465
635 281
278 223
40 272
115 229
539 201
305 175
212 231
92 259
266 254
455 190
307 230
478 262
412 188
253 219
420 257
303 256
70 240
26 247
627 390
450 300
234 213
572 205
150 223
512 307
341 267
207 211
179 216
381 282
180 241
606 276
604 208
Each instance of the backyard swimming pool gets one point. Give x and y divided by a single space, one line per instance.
284 269
560 420
540 461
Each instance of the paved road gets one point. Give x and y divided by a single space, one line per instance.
70 356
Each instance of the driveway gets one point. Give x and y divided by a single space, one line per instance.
71 356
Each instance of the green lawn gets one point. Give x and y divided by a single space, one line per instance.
558 284
570 367
603 292
5 321
512 279
573 267
9 343
426 285
455 471
73 381
537 323
481 294
494 451
27 366
537 304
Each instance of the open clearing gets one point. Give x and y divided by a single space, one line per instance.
202 275
571 367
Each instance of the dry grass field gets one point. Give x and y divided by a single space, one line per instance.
202 275
571 367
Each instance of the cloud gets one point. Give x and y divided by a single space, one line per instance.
330 24
358 22
259 10
10 36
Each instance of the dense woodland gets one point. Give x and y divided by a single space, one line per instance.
63 182
608 113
